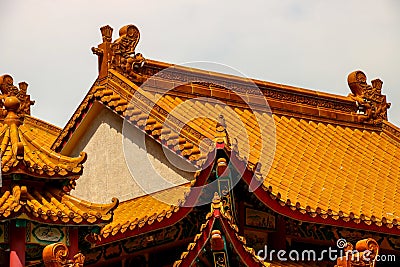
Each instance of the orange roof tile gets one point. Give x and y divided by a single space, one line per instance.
46 132
145 210
328 159
320 165
25 149
51 205
351 171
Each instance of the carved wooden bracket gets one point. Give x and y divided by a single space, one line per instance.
56 255
365 254
120 54
371 103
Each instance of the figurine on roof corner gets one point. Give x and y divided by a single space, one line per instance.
370 100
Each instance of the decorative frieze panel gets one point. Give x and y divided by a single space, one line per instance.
244 87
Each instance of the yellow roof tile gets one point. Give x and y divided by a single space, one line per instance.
143 210
320 164
333 165
26 149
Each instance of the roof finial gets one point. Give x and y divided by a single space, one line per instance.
14 101
370 101
120 54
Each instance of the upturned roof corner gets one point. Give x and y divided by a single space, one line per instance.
20 149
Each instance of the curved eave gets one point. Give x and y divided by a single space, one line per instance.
22 152
310 214
52 206
42 172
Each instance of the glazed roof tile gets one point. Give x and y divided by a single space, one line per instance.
51 205
137 212
45 132
26 149
319 165
330 167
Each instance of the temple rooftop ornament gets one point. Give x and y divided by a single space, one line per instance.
120 54
8 89
370 101
221 134
365 253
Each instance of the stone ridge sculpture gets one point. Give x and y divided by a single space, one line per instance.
371 103
120 54
8 89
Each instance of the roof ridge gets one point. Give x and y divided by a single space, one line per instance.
42 124
392 130
159 65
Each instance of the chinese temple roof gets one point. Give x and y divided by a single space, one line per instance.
24 146
26 156
231 231
336 158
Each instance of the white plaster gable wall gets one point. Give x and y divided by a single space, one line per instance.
106 173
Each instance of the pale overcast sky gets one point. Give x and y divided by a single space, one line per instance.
311 44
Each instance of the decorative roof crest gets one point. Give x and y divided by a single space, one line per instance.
14 101
120 54
371 103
